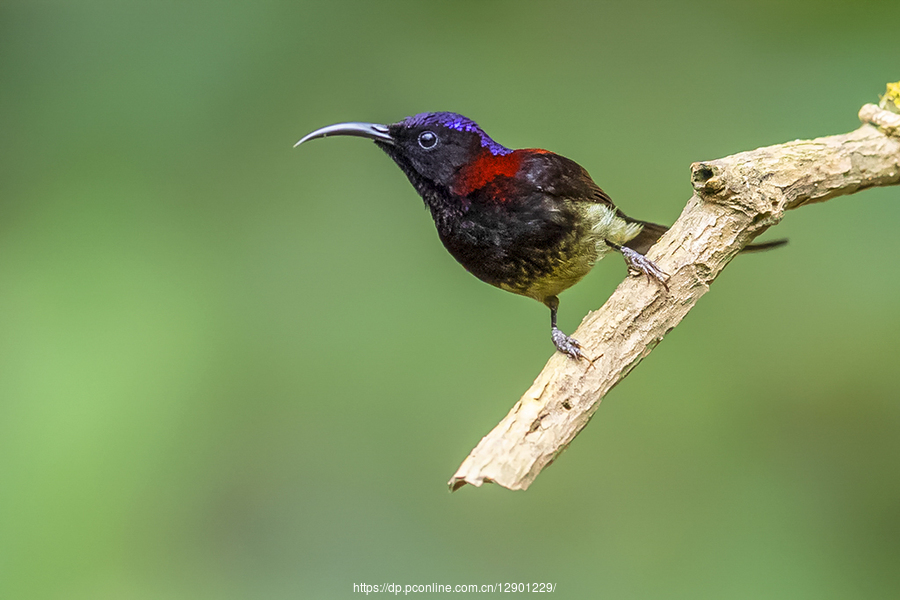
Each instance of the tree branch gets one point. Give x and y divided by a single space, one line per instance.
735 199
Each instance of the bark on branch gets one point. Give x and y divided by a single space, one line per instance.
736 198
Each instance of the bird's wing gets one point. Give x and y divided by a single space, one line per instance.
567 179
560 176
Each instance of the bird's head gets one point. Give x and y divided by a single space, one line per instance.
431 148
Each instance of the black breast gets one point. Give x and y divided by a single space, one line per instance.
508 243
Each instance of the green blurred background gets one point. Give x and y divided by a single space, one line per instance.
231 369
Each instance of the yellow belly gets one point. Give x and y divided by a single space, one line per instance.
603 224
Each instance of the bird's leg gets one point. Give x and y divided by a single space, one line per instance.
639 263
563 343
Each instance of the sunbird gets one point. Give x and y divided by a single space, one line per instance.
527 221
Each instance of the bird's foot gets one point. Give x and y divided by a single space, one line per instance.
638 263
566 344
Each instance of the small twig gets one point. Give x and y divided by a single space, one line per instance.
735 199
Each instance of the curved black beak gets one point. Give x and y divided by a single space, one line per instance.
373 131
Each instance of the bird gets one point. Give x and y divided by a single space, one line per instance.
528 221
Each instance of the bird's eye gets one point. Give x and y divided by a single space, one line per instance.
428 140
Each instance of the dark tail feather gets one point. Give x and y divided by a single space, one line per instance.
648 236
763 246
651 233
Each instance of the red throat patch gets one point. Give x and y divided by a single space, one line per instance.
485 168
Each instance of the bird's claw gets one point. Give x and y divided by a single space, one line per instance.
638 263
566 344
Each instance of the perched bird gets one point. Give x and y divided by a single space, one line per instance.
527 221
